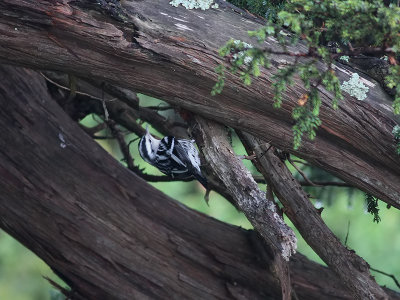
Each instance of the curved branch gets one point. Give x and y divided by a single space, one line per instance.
351 268
172 55
110 235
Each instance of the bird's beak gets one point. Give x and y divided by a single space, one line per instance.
147 129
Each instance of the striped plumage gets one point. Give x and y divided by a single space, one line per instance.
173 157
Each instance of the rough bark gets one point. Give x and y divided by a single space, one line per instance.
171 53
351 268
259 210
108 233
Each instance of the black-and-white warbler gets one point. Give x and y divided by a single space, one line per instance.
174 157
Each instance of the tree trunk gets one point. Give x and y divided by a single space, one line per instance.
167 52
108 233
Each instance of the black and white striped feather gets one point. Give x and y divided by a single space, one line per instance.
173 157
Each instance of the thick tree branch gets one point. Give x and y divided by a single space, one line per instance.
262 213
134 45
352 269
110 235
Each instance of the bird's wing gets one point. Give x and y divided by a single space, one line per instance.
189 154
188 151
169 160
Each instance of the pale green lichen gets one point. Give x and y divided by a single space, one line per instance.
345 58
195 4
240 44
396 132
355 87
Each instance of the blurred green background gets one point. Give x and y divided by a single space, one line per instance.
21 272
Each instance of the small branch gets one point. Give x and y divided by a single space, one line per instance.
347 233
69 90
300 162
92 130
127 96
262 214
122 144
388 275
326 183
363 50
289 53
96 137
159 108
308 181
261 179
125 112
351 268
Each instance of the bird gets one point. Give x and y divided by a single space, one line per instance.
174 157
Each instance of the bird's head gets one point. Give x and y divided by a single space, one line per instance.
148 146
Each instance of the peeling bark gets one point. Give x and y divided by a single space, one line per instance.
260 211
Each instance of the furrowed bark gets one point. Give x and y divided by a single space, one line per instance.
351 268
108 233
260 211
171 53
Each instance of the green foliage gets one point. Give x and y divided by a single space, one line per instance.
220 70
245 60
396 133
392 81
372 207
21 272
57 295
306 116
267 9
354 27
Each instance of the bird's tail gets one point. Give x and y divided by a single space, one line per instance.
200 177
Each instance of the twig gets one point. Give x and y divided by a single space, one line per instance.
288 53
301 173
132 141
388 275
159 108
122 144
347 234
349 267
326 183
261 179
92 130
295 297
106 114
300 162
64 291
76 92
96 137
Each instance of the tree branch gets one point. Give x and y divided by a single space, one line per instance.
262 214
108 233
135 46
352 269
261 179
